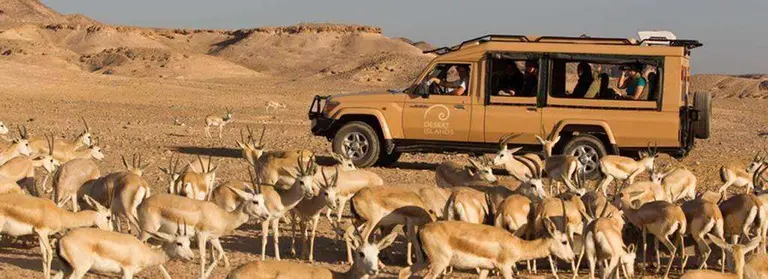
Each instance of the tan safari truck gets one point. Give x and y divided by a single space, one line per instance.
600 95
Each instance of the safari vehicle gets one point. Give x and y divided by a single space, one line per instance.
526 85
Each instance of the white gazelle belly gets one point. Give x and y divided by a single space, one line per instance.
106 265
463 260
16 228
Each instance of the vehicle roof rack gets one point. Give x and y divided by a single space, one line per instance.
564 39
688 44
481 39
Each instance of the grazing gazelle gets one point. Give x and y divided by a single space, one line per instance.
740 176
273 105
217 121
39 145
625 168
475 246
451 174
22 168
603 241
756 267
19 146
27 215
678 183
85 249
69 179
366 264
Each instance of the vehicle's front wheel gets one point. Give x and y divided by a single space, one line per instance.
358 141
589 150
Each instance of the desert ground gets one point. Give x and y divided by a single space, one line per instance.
148 91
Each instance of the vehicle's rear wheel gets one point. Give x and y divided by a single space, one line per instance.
386 160
589 150
702 102
359 141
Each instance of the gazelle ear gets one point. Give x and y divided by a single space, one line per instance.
292 172
751 245
387 240
93 203
550 226
720 242
631 248
243 194
538 138
556 139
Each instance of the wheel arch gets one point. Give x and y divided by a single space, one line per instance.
371 117
597 128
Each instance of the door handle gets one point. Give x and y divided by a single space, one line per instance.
531 109
457 106
418 106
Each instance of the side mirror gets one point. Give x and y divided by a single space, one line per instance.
423 90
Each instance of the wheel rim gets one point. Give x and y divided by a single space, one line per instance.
355 145
588 157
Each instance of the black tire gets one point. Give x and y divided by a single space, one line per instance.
365 156
590 150
388 160
702 101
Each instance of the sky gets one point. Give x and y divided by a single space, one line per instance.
734 33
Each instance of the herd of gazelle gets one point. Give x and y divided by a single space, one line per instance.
469 220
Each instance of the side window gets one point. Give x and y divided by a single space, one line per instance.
606 79
450 79
514 77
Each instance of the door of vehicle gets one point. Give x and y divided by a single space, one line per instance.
507 111
436 116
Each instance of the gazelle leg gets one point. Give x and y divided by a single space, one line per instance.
658 254
164 272
221 129
44 253
294 233
264 238
216 244
315 220
276 237
202 240
483 273
208 131
645 246
604 184
673 252
553 266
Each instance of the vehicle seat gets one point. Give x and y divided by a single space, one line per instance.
653 86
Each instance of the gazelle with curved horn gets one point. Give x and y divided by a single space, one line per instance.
64 147
217 121
86 249
27 215
531 185
206 220
93 151
603 242
22 168
678 183
19 146
451 174
196 185
703 217
625 168
560 168
510 161
754 267
307 213
740 176
174 173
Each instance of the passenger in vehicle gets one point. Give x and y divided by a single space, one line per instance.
586 79
594 87
531 85
605 91
512 80
633 81
454 85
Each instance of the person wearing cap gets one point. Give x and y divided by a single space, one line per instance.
633 81
531 85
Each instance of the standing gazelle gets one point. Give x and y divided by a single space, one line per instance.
217 121
512 163
740 176
625 168
26 215
19 146
560 168
307 213
22 168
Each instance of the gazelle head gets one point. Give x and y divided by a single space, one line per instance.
549 144
3 129
533 182
580 188
482 169
505 154
756 163
648 157
344 161
174 174
255 205
47 161
85 138
304 175
365 254
560 246
658 176
21 143
228 116
738 251
96 151
136 166
251 149
209 170
628 261
103 215
328 189
176 246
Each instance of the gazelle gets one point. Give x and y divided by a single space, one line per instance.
174 173
511 163
307 213
661 219
678 183
94 151
625 168
85 249
740 176
273 105
217 121
470 246
39 145
741 213
366 264
70 178
23 168
27 215
350 180
568 214
755 268
561 168
531 185
513 213
19 146
603 241
451 174
197 185
280 202
387 206
649 191
161 212
128 190
703 217
468 205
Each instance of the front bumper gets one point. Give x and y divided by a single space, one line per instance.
321 123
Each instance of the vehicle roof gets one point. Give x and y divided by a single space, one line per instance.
583 44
